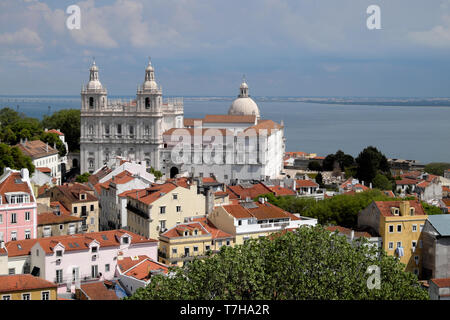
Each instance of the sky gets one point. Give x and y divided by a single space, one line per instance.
204 47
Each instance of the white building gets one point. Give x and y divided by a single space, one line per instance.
43 156
237 146
132 130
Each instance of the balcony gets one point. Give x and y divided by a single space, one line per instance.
72 280
138 211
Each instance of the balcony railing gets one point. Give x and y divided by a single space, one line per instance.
71 279
138 211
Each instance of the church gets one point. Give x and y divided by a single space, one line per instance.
149 130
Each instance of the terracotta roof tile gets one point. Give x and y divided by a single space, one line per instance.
98 291
348 231
385 207
441 282
251 192
303 183
282 191
14 183
36 149
21 282
46 218
140 267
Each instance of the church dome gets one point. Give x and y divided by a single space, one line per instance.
150 85
94 83
244 105
149 82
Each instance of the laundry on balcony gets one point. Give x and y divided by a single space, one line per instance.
400 252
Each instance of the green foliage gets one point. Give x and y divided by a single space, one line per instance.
13 158
340 210
309 263
319 180
342 159
314 166
68 121
156 173
382 182
430 209
437 168
53 140
15 126
82 178
371 162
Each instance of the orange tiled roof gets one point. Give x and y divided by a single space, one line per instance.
55 204
47 218
305 183
406 181
389 193
72 192
226 118
264 126
385 207
151 194
282 191
14 183
22 282
44 169
105 238
252 192
202 224
94 178
36 149
56 131
98 291
140 267
441 282
261 212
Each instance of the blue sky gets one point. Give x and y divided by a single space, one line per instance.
202 47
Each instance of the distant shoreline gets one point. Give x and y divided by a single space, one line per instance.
395 102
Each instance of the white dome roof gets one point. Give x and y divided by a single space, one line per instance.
244 85
149 85
244 107
94 84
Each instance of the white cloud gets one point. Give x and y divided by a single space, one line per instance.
23 37
438 36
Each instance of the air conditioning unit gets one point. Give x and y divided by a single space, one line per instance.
58 261
95 256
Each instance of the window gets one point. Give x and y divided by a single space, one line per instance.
27 216
131 130
416 271
162 210
399 228
45 295
11 271
94 271
75 209
174 250
414 228
175 196
178 208
391 229
195 232
92 221
220 243
13 236
162 224
1 218
6 297
59 253
91 102
240 222
13 218
399 244
61 227
416 259
412 210
125 240
391 245
94 249
225 177
27 234
59 276
207 248
228 242
92 207
107 267
147 103
195 249
420 243
119 129
414 244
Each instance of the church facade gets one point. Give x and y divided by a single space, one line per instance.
132 130
148 130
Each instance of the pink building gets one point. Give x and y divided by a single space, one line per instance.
18 209
72 260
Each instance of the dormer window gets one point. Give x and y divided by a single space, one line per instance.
186 233
125 240
82 196
59 253
94 249
395 211
412 211
195 232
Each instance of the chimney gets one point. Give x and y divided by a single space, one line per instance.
25 174
352 235
46 147
261 200
371 185
404 208
2 244
46 130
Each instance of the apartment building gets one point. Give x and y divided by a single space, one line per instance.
26 287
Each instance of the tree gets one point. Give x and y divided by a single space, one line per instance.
319 179
82 178
342 159
13 158
370 162
382 182
68 121
156 173
308 263
430 209
437 168
314 166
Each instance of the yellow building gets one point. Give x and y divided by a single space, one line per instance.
80 201
160 207
26 287
400 225
187 241
250 219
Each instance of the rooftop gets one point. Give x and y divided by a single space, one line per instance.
36 149
22 282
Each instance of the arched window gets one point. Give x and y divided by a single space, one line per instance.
91 102
147 103
91 129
